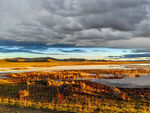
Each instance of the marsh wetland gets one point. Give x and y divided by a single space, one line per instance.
77 88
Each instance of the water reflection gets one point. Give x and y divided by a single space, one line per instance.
127 82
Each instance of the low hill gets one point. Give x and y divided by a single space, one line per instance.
45 59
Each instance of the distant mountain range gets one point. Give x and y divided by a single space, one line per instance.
50 59
46 59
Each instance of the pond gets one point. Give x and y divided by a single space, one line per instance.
127 82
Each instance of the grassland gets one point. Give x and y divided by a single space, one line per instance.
61 63
59 91
80 96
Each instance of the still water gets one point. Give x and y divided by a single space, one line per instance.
127 82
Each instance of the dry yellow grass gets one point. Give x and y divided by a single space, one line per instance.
74 74
59 63
81 97
6 81
12 109
75 102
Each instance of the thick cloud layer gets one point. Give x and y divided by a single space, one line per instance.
106 23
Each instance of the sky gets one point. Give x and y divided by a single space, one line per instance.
92 29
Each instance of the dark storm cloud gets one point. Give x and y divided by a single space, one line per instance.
123 20
4 42
105 23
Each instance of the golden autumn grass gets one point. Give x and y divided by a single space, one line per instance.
74 74
73 101
61 63
101 106
76 96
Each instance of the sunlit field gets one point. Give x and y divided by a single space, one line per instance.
61 63
71 90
